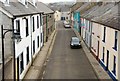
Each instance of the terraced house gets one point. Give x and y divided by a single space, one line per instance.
25 18
101 32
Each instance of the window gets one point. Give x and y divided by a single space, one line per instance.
27 50
21 63
33 46
86 22
26 3
41 37
89 26
114 65
33 23
50 16
116 39
103 54
37 21
104 34
7 2
18 27
66 17
38 41
27 29
40 20
63 18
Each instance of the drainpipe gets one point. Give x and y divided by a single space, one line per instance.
2 39
43 28
90 35
31 40
14 60
40 28
46 29
118 57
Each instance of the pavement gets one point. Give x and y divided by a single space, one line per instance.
100 72
37 68
8 68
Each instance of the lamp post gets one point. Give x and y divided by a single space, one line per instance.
2 39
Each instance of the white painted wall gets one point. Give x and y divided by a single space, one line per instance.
96 29
5 1
57 15
109 44
28 41
118 61
65 14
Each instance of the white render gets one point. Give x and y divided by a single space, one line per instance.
109 44
57 15
20 47
65 14
96 31
86 30
97 35
118 56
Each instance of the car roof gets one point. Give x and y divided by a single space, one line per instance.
75 38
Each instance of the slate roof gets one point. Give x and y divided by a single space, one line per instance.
107 14
18 9
44 8
65 8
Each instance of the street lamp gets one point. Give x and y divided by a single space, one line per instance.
15 36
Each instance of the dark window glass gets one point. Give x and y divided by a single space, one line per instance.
38 41
41 38
27 29
116 39
33 46
104 35
37 21
27 55
114 65
103 54
40 20
21 63
18 27
89 25
33 23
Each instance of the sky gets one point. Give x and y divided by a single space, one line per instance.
51 1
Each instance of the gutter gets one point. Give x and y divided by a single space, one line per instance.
100 23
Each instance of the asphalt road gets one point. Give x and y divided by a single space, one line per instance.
67 63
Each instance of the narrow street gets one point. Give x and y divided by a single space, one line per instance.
67 63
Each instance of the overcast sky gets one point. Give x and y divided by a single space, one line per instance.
51 1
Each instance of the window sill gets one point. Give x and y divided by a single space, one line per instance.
114 48
103 41
114 73
102 60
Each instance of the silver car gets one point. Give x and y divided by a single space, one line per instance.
67 26
75 42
